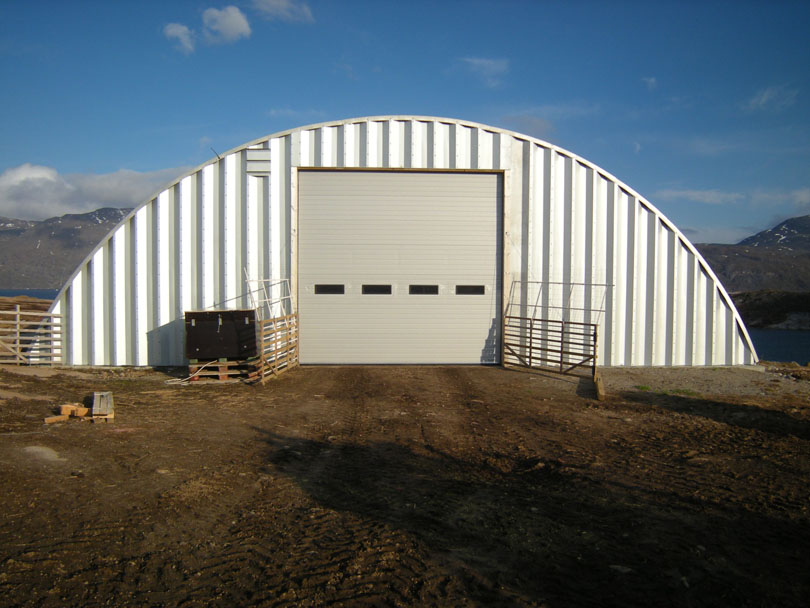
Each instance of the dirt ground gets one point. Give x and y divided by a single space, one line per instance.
401 486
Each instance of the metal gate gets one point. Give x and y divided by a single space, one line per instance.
553 325
545 343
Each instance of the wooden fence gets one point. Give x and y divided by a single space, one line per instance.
561 346
279 345
30 337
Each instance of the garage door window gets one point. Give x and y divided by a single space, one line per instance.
329 289
423 290
376 290
470 290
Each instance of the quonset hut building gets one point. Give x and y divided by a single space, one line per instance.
403 239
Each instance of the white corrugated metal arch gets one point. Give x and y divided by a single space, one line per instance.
565 220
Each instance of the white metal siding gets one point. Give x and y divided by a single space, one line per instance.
564 219
399 229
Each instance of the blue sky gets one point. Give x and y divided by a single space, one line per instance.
702 107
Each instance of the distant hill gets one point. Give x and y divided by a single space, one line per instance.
791 235
11 226
774 309
775 259
43 254
768 274
741 268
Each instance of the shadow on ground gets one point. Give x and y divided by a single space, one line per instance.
539 533
744 416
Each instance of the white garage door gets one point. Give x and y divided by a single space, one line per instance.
399 267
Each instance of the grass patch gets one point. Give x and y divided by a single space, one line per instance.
681 392
685 391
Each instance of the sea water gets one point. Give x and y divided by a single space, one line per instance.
782 344
45 294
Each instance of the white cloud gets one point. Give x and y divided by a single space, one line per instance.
636 147
788 202
771 99
529 124
650 82
717 234
705 146
36 192
706 197
798 198
801 197
489 71
565 111
224 26
183 36
219 27
284 10
539 121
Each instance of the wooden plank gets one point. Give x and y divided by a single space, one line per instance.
28 319
103 403
67 409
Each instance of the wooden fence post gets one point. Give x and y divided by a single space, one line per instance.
19 336
261 351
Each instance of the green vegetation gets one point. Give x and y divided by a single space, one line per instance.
685 391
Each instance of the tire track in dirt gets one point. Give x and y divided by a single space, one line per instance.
341 559
360 544
61 561
191 509
335 559
358 386
193 512
345 558
474 411
674 458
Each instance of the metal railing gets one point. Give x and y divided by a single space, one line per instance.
561 346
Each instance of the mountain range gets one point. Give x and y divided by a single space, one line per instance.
43 254
775 259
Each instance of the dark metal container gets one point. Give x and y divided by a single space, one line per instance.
221 334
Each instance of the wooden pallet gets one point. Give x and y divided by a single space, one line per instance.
222 370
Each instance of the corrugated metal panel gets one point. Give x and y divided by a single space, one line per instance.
565 219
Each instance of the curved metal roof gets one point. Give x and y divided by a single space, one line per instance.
407 142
